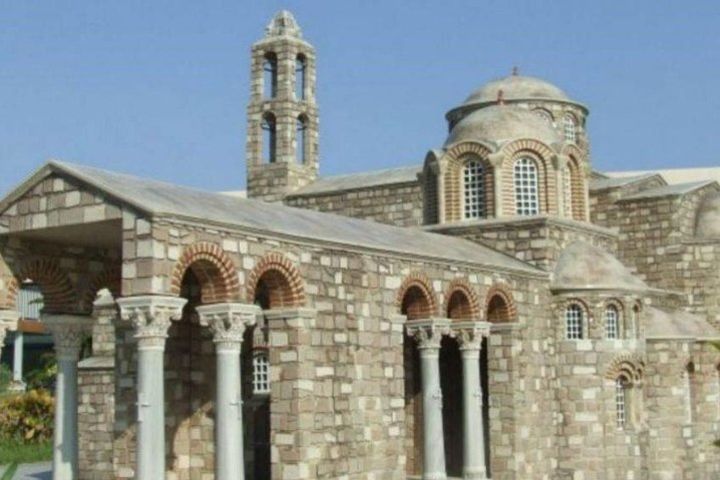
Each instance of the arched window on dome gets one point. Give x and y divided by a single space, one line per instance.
570 128
301 139
612 322
270 75
574 318
474 201
567 191
545 115
300 76
269 128
525 180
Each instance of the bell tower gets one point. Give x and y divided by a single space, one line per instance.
282 133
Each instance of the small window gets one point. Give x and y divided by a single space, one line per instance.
270 74
570 128
621 402
474 189
269 138
574 322
300 138
567 191
689 392
300 76
545 115
526 187
612 322
261 374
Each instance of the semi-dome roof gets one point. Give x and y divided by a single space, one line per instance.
582 266
500 123
708 218
517 87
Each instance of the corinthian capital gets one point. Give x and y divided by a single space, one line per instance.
428 332
227 321
469 335
68 332
151 315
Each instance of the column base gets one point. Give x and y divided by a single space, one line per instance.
434 476
17 386
475 474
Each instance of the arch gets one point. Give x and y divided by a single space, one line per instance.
300 76
456 159
570 127
215 272
577 188
462 302
542 155
526 185
629 366
500 305
59 294
276 283
415 299
429 182
270 75
575 319
110 277
545 114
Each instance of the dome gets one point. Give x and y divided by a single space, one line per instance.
708 217
283 24
500 123
517 87
583 266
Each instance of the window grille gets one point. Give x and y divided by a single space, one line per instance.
612 322
621 387
261 374
474 187
573 322
567 191
570 128
526 187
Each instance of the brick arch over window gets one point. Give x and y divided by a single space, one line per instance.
457 157
276 283
110 277
415 298
462 302
541 154
59 294
214 270
500 305
628 366
577 188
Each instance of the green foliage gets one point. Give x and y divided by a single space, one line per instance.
12 451
11 469
43 377
27 417
5 378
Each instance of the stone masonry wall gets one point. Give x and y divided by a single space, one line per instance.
399 204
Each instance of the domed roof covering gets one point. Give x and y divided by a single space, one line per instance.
283 24
708 218
582 266
517 87
500 123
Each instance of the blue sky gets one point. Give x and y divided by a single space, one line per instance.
159 88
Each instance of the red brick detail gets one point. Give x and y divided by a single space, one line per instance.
462 302
415 298
59 295
213 268
457 157
110 277
547 183
275 282
577 189
629 366
500 305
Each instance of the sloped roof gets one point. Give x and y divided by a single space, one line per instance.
668 190
597 183
678 324
161 199
675 175
354 181
583 266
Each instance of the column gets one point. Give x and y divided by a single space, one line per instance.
8 323
18 345
428 334
151 316
469 336
68 332
228 321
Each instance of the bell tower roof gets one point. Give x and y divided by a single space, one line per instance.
283 24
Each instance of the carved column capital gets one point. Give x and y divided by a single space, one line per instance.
228 321
428 332
470 334
68 332
151 316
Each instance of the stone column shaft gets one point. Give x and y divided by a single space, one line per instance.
8 323
18 360
67 331
151 317
470 335
227 322
428 334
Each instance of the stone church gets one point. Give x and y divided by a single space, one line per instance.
498 310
